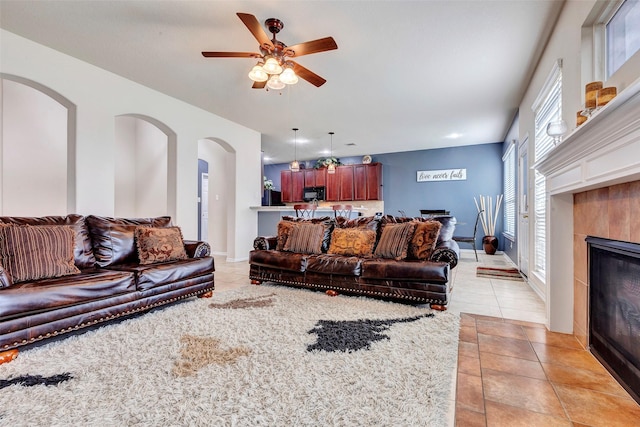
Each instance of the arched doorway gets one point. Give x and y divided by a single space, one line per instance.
145 175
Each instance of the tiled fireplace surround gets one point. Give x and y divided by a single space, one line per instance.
593 188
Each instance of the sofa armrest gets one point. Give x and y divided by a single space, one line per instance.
447 251
265 242
197 249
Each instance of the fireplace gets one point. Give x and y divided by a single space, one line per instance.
614 309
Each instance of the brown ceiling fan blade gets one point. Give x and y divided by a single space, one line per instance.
256 29
308 75
315 46
259 85
231 55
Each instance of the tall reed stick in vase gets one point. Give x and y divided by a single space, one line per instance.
488 214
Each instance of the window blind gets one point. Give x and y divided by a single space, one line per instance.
509 191
547 108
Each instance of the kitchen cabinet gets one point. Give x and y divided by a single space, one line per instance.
349 183
292 186
367 182
315 177
345 182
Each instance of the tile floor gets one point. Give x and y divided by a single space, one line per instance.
511 370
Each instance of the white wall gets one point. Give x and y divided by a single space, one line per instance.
34 166
125 167
151 170
99 97
141 169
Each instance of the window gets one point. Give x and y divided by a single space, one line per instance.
509 190
547 108
622 35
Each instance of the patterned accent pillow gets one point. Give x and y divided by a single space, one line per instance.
394 241
305 239
352 242
424 240
159 244
284 231
37 252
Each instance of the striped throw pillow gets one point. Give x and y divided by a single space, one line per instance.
37 252
394 241
305 238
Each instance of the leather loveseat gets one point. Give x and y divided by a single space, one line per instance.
111 281
395 278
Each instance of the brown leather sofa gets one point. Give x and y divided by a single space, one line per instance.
412 281
111 283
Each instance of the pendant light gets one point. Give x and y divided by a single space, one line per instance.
295 166
331 167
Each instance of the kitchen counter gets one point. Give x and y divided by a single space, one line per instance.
269 216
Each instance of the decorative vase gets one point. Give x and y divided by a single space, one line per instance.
490 244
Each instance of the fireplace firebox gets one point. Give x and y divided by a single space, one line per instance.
614 309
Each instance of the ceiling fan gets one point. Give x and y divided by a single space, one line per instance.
275 68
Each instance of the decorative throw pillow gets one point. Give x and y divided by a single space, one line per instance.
352 242
424 239
284 231
37 252
394 241
326 221
305 239
159 244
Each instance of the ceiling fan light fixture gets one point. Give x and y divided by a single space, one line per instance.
257 73
288 76
272 66
275 83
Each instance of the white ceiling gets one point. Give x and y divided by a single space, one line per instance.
406 75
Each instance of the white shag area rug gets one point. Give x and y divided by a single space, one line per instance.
256 356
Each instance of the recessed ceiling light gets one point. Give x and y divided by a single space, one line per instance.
454 135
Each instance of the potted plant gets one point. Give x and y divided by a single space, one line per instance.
323 162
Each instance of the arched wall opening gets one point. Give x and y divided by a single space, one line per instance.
145 167
221 160
37 149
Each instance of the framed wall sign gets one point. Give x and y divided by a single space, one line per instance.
442 175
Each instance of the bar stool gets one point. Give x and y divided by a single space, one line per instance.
342 210
306 210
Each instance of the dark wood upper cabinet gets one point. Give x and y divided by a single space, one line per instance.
332 188
374 181
359 182
349 183
292 185
345 182
315 177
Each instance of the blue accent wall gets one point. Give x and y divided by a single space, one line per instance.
401 191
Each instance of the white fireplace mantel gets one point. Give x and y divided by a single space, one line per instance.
603 151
